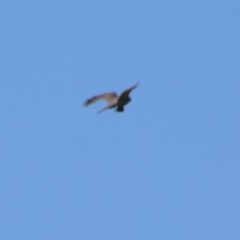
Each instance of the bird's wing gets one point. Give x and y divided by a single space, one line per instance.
128 91
109 97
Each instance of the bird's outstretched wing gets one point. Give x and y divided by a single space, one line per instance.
127 92
111 98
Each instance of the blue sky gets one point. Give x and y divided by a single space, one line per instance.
167 168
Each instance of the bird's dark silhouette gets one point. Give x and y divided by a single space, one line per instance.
114 101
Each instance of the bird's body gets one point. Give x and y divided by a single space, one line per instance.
114 101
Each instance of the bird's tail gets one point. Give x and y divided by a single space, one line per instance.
107 107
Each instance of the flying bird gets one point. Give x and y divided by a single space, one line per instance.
114 101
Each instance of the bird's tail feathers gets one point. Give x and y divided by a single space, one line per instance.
107 107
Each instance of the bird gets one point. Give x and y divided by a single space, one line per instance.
114 101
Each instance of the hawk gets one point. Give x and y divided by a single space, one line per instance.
114 101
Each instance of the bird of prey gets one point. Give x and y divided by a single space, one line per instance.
114 101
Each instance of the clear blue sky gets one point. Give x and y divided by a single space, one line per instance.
167 168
